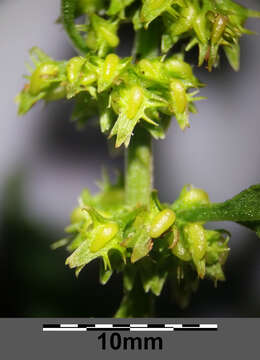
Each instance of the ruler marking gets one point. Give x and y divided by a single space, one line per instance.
156 325
63 329
108 329
195 329
51 326
208 326
121 325
151 329
138 325
191 325
69 325
103 325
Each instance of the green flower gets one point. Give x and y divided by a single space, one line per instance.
209 24
123 93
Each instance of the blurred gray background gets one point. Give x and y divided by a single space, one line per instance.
53 162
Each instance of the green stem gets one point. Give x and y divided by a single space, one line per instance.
68 10
139 168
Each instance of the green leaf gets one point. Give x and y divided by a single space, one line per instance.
243 208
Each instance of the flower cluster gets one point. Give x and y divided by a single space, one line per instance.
153 242
208 24
124 94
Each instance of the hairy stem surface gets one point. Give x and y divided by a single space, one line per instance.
68 10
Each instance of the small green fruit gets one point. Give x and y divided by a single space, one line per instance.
40 79
74 67
162 222
136 98
195 196
103 235
76 216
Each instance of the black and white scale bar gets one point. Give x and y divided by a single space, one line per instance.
130 327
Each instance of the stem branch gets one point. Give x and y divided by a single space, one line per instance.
68 10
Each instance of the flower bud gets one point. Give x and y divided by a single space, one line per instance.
42 76
162 222
151 70
88 79
57 93
108 71
181 250
74 67
179 68
196 237
104 233
135 100
77 215
178 95
192 196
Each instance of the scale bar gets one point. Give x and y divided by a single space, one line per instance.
130 327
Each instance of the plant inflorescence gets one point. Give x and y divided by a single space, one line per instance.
136 97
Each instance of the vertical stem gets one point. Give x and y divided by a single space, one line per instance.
139 168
